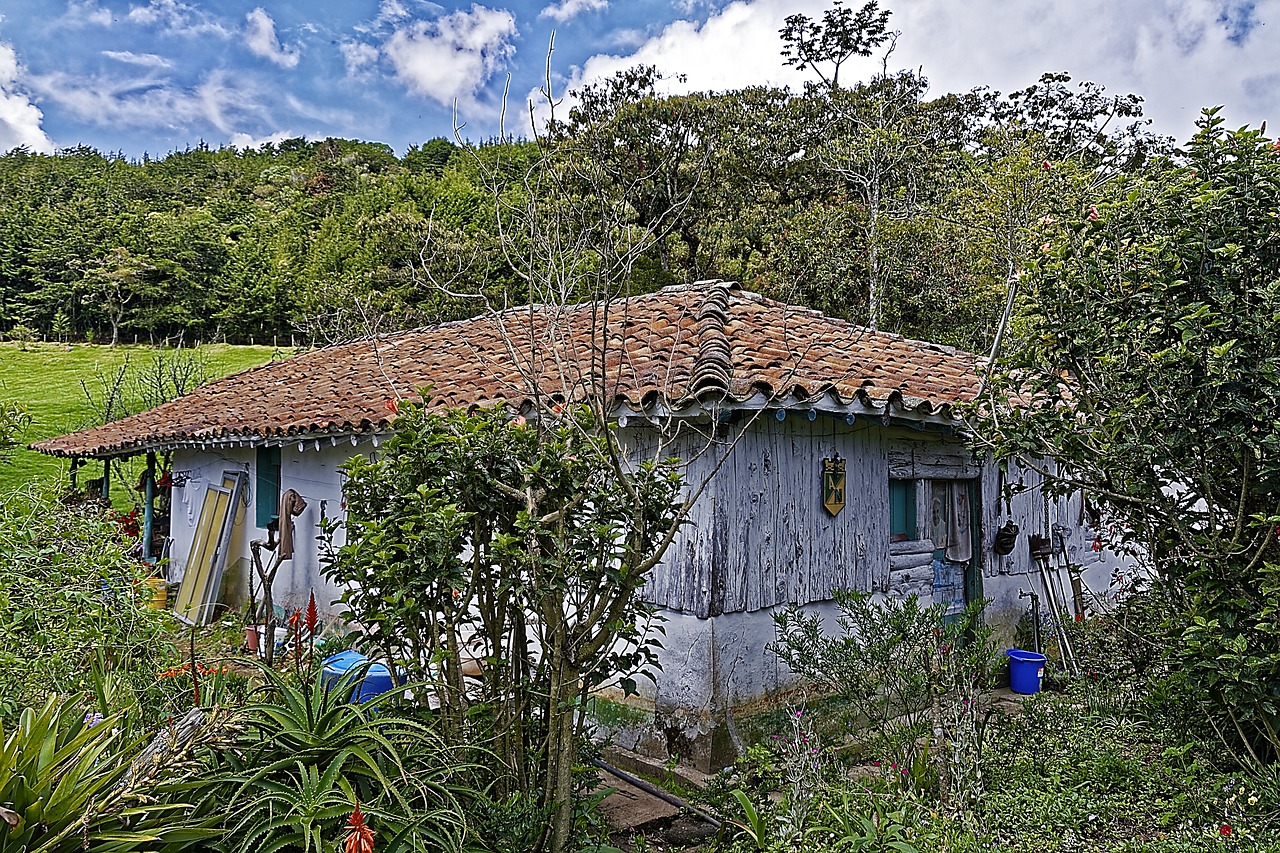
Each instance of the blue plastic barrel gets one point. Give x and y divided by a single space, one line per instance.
376 681
1026 670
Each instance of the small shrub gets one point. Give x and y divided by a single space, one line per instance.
907 676
74 607
21 335
303 755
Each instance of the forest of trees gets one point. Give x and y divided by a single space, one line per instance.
874 200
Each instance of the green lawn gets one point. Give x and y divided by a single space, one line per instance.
47 378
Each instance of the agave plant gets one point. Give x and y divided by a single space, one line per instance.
305 754
66 785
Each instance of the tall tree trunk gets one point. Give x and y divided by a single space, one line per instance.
565 758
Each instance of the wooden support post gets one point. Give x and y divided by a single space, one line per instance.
106 479
76 461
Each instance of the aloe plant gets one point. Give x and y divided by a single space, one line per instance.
304 754
65 786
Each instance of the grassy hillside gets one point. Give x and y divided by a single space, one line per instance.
47 378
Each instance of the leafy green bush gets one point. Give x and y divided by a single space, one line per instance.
14 419
511 550
908 679
72 605
1156 308
21 335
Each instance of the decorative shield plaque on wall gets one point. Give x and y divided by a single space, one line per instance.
833 485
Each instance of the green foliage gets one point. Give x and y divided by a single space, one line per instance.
1061 773
14 419
303 755
842 35
72 605
65 785
476 540
21 335
881 831
756 827
1152 307
1068 778
889 662
334 239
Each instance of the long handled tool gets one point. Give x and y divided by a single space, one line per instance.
1068 655
1035 620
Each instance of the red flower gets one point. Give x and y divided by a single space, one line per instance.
313 617
1047 166
1224 830
392 405
1093 212
361 838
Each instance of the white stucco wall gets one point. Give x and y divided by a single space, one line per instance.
310 472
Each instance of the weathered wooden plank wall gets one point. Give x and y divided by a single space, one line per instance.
684 575
1027 509
761 537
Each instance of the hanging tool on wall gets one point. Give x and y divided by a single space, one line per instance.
1060 533
1007 534
1042 555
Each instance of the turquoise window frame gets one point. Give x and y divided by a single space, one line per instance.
902 508
267 482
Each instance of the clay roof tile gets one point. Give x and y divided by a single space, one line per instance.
706 343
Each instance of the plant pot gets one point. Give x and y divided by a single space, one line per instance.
251 638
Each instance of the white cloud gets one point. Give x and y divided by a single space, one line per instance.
20 119
1180 55
260 38
146 60
625 38
248 142
177 18
81 13
326 115
567 9
452 57
150 102
391 10
711 54
358 56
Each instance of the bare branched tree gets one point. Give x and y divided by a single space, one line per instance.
572 223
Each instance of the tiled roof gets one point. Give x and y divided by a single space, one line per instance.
701 345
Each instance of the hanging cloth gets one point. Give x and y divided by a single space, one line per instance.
959 534
939 529
291 504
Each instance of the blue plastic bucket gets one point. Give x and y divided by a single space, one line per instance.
1026 670
376 681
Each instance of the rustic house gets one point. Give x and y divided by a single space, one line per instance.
845 470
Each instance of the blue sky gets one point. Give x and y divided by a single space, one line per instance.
152 76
